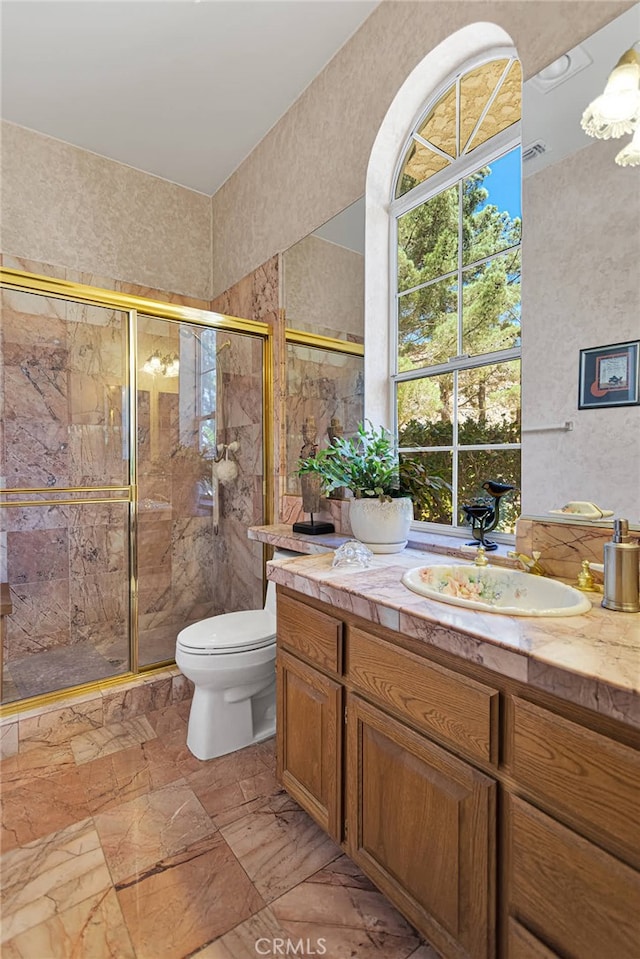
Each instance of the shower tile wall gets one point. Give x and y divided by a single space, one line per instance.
63 367
238 560
255 297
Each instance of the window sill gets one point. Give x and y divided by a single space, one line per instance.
451 544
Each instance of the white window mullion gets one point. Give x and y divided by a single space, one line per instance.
490 151
454 473
460 363
393 322
488 104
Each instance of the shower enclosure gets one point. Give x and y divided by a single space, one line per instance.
118 525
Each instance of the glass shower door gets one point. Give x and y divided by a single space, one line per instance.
65 491
200 477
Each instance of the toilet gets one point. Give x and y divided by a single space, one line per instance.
230 659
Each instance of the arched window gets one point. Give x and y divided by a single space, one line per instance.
455 285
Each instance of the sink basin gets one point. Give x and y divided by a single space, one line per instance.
495 590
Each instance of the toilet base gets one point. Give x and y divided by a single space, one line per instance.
218 727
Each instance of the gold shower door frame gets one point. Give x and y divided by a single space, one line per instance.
24 282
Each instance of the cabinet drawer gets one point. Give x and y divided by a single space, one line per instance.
315 635
456 710
522 945
576 898
592 780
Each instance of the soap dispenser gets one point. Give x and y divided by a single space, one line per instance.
621 570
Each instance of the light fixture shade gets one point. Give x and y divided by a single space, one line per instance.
171 365
617 110
630 154
153 365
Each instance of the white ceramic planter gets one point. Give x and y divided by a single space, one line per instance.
383 527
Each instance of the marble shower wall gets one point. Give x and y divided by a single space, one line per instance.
64 368
257 297
237 561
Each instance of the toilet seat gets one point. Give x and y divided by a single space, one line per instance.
229 633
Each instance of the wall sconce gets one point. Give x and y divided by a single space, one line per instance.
617 110
158 365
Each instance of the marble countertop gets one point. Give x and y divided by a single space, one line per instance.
592 659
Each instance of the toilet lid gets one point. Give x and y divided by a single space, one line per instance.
230 632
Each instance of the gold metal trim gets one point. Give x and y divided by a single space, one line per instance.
149 668
268 440
71 692
268 429
301 338
65 289
66 502
132 401
63 489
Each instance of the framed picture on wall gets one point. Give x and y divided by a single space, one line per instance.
609 376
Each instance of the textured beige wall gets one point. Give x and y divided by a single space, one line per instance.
580 289
66 206
312 164
324 289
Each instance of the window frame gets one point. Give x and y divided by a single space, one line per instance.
459 168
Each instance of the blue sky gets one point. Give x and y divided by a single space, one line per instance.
503 183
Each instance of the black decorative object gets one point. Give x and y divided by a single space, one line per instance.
313 527
483 517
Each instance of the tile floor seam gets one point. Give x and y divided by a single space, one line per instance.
187 898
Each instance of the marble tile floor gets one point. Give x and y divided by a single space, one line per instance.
121 845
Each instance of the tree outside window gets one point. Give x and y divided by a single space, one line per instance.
457 263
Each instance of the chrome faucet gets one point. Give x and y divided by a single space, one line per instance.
530 564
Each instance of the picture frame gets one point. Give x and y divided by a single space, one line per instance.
609 376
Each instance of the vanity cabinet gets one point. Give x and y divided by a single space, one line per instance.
504 823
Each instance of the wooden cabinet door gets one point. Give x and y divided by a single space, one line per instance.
309 740
522 945
422 824
578 900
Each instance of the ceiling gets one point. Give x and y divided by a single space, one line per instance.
185 89
181 89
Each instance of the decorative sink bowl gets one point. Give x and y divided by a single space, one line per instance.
495 590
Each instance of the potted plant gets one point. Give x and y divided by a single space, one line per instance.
367 464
